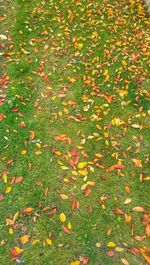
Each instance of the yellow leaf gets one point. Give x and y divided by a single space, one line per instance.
124 63
127 201
106 72
24 239
49 241
125 262
18 250
83 172
4 176
62 217
111 244
16 216
38 153
69 226
8 189
79 46
63 196
77 262
128 218
24 152
137 162
38 145
82 165
11 231
35 242
118 249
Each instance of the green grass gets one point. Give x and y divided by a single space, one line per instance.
40 57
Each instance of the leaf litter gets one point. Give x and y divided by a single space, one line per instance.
94 99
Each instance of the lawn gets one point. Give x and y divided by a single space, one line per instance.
74 132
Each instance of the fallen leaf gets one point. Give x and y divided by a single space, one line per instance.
110 253
137 162
66 229
27 210
77 262
124 261
111 244
19 179
62 217
24 239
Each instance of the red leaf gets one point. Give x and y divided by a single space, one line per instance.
110 253
14 252
134 251
1 197
22 124
53 149
71 162
119 166
12 180
73 204
19 179
118 211
15 109
2 116
87 192
66 229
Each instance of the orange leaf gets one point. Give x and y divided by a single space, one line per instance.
66 230
118 211
27 210
73 204
87 192
110 253
19 179
77 204
147 230
32 135
144 251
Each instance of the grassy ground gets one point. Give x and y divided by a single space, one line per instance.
74 133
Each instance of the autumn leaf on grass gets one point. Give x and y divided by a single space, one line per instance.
125 262
19 179
32 135
111 244
77 262
27 210
62 217
110 253
138 209
24 239
144 252
66 229
137 162
118 211
2 116
16 251
49 241
71 80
